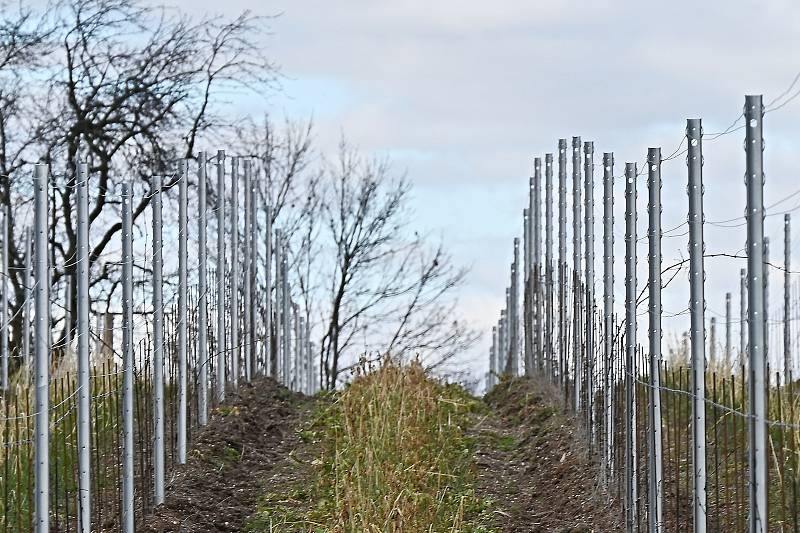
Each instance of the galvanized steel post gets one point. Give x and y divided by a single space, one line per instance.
41 471
183 259
712 342
631 497
298 351
697 304
588 174
562 260
766 301
513 316
158 348
493 357
279 362
221 337
787 330
26 306
754 179
4 302
743 326
248 259
727 330
536 252
608 308
656 494
202 289
127 520
548 268
236 349
82 323
270 357
576 270
286 301
527 293
252 271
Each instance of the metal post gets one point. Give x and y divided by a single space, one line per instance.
248 289
536 252
754 178
287 320
158 348
588 172
4 303
742 317
236 350
562 259
202 289
84 394
504 317
493 357
504 337
127 360
183 259
42 354
270 358
766 299
67 311
631 477
576 269
727 330
279 363
252 269
297 352
608 307
787 260
548 260
220 370
697 304
307 356
300 326
513 316
527 285
655 500
712 343
28 277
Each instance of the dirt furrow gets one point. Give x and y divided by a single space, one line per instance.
246 450
532 463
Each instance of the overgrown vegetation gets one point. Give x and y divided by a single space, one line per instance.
394 458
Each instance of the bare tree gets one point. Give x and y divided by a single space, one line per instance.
130 89
26 41
288 183
386 289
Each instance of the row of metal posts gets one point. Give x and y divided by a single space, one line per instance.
292 362
581 373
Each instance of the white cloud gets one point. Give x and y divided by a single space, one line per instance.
464 94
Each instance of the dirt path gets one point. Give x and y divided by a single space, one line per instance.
242 454
531 464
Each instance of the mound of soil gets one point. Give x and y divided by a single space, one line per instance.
243 451
532 463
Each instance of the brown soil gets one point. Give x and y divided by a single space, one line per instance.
247 449
532 464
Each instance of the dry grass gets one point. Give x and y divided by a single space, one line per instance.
394 458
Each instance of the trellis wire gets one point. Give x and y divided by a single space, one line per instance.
79 449
685 444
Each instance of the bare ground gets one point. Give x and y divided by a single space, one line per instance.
246 450
532 464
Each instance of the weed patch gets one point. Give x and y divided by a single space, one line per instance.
394 458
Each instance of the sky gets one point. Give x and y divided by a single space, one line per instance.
462 95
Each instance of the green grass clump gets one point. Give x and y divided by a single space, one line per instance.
394 459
